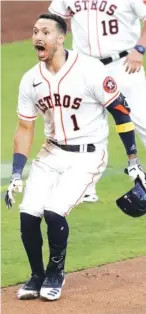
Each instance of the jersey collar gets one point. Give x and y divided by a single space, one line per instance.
70 62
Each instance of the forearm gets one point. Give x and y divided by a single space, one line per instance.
142 39
23 141
128 139
22 145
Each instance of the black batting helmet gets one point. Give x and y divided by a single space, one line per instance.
133 203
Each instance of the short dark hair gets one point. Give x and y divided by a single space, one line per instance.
61 24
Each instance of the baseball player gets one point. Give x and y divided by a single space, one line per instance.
110 31
72 99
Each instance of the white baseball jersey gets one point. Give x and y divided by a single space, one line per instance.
102 28
72 102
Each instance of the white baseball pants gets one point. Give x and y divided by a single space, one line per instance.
58 179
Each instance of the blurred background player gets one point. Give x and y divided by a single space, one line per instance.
111 31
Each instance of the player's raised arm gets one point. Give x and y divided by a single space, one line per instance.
60 8
22 140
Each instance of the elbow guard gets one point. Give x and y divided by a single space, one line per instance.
120 112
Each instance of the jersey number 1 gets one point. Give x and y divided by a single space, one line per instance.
75 124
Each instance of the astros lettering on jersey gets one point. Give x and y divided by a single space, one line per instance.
115 29
72 102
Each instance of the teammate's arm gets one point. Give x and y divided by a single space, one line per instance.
142 39
134 60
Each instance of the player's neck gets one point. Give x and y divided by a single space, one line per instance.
57 62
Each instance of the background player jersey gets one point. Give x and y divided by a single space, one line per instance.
102 28
72 102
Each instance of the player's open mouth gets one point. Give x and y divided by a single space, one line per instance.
40 50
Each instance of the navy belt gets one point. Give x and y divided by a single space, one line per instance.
83 148
110 59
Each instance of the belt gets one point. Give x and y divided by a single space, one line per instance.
83 148
114 58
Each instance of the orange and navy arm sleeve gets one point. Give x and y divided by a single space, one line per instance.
124 126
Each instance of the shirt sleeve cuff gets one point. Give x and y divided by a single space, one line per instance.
111 99
27 118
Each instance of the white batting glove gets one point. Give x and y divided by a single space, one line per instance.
135 171
16 186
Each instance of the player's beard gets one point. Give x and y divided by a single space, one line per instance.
51 53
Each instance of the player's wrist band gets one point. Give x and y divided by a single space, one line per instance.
141 49
19 161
